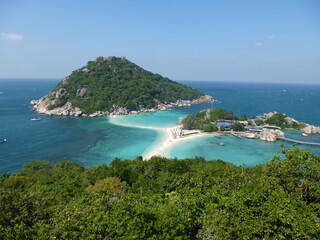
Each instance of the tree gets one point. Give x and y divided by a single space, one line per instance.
278 119
210 128
259 122
237 127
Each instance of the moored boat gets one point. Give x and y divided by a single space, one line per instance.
218 143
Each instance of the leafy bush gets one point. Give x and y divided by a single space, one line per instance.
164 199
279 120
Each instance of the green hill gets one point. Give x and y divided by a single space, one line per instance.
112 81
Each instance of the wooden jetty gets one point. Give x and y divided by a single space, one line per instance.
235 135
300 142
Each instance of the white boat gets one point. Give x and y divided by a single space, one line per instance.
35 119
3 140
304 134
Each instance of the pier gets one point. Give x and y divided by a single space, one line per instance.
235 135
300 142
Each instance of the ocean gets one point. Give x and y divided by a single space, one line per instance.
96 141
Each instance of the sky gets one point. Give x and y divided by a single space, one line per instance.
203 40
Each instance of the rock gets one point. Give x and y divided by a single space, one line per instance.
108 58
65 81
41 105
81 92
77 112
86 70
251 136
61 92
279 133
271 135
269 115
116 110
207 115
310 129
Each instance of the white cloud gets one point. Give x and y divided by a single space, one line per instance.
12 36
260 44
271 36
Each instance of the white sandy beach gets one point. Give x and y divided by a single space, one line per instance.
169 141
171 138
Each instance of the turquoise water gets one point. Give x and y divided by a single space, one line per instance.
160 119
245 152
95 141
91 141
118 141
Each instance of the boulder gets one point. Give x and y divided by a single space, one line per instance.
61 92
271 135
310 129
81 92
251 135
116 110
65 81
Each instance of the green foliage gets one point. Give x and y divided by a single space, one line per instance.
122 83
109 183
203 120
219 113
298 126
279 120
259 122
195 121
242 118
164 199
237 127
61 102
210 128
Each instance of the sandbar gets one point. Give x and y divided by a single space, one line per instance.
171 137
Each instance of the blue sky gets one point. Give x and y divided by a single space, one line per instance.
248 41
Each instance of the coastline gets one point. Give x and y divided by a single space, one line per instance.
163 148
42 106
170 138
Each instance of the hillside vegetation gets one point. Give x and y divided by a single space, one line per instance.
204 118
163 199
116 81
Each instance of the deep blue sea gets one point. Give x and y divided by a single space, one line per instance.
95 141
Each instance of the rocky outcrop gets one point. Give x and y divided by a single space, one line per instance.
116 110
251 135
269 115
207 114
41 106
271 135
310 129
65 81
61 92
81 92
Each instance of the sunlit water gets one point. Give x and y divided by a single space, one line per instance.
95 141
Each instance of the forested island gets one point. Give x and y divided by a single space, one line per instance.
115 86
163 199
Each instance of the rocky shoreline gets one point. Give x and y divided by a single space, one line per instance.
41 106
